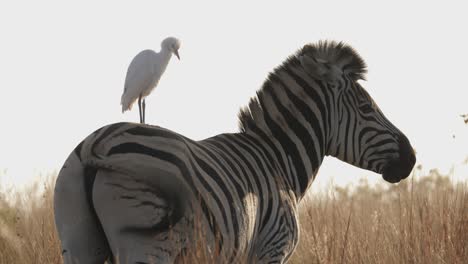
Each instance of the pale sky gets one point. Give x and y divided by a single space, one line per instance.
63 67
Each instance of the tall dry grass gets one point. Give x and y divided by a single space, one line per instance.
27 228
417 221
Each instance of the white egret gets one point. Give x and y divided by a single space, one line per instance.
144 73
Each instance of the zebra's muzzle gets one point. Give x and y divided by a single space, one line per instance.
399 169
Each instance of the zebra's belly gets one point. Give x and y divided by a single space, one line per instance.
267 233
270 232
258 237
278 238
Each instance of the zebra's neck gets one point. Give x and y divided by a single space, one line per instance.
290 111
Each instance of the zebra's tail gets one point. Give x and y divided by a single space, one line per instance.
80 232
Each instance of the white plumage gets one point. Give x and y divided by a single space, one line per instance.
144 73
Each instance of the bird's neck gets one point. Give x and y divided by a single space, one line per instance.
165 53
163 60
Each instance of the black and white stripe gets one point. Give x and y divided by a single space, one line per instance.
147 182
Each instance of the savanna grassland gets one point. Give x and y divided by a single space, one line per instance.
421 220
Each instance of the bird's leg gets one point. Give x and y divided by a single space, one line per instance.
144 112
139 109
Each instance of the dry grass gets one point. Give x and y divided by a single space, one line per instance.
417 221
423 221
27 228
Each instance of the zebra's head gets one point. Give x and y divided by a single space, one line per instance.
357 131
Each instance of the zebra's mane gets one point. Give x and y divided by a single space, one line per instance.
333 53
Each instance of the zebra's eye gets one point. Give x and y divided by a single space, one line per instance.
365 108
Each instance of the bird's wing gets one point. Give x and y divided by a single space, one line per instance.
139 78
140 70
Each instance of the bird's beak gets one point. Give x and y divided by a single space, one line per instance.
176 52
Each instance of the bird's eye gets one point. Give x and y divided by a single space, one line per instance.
366 108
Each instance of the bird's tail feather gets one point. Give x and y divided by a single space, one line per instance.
126 103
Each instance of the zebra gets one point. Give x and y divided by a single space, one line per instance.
128 193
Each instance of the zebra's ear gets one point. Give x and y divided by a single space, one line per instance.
320 69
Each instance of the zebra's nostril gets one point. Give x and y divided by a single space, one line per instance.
400 168
412 158
407 156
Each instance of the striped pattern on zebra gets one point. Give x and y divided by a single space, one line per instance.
129 191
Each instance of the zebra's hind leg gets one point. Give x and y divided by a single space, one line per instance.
142 221
81 236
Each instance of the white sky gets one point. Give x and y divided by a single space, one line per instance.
63 65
